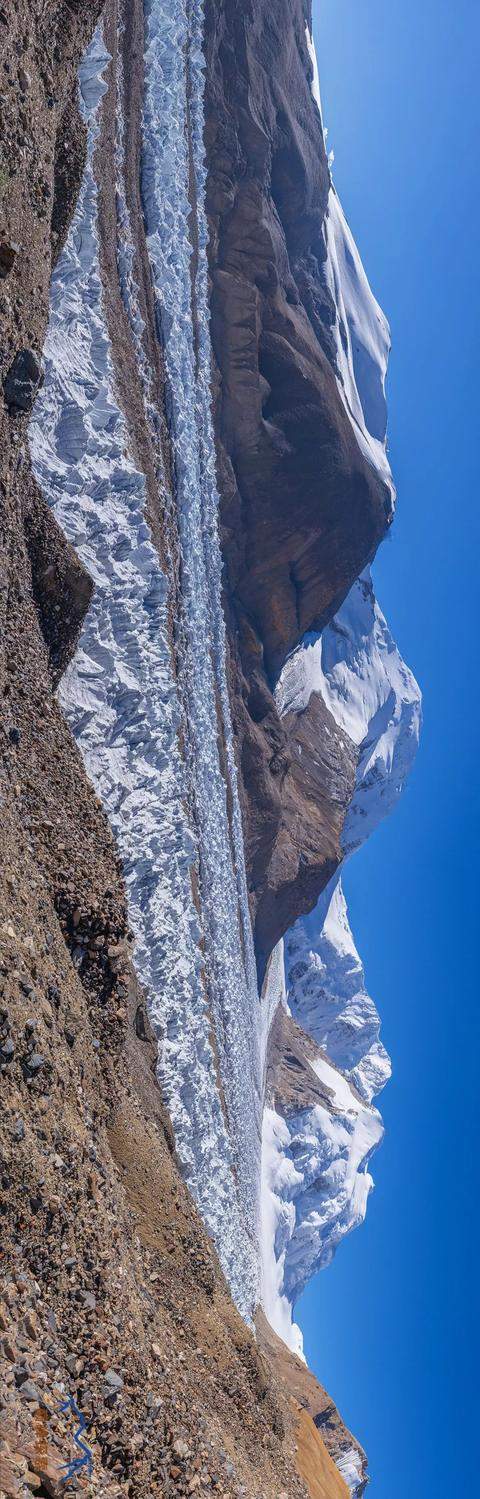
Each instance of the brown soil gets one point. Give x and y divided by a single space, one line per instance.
322 1478
308 1396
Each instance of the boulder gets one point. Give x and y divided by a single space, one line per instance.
23 380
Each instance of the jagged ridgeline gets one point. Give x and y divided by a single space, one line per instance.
210 436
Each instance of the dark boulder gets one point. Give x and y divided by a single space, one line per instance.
8 255
23 380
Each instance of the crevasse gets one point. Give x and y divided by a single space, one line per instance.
168 810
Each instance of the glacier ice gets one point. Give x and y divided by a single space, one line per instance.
174 34
316 75
362 340
350 1466
127 708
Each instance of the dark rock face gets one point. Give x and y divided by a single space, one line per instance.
23 380
61 587
315 781
302 509
291 1081
8 253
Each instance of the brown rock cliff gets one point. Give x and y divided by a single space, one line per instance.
302 509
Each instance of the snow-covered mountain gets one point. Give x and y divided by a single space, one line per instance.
315 1160
319 1134
357 669
147 718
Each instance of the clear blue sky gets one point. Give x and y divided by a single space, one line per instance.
392 1327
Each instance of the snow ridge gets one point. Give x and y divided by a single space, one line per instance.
360 329
316 1184
193 952
373 696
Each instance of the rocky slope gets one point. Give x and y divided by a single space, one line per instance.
203 713
111 1294
316 1408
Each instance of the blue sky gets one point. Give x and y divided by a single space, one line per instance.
392 1327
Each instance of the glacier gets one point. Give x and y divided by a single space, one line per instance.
130 705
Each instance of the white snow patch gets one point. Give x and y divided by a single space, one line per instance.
316 1187
279 1179
373 696
361 331
316 75
349 1464
327 993
362 339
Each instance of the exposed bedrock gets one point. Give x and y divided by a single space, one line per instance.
303 508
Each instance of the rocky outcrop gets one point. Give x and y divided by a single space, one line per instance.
303 507
314 1405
